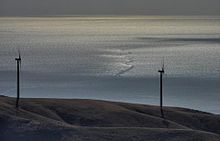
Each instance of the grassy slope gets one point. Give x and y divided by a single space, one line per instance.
92 120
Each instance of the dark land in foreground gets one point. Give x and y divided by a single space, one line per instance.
94 120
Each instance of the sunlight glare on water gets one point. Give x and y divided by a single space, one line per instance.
114 58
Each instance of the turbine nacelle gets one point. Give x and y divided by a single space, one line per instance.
161 71
19 57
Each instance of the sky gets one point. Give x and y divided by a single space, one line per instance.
108 7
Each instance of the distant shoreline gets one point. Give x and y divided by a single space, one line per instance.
101 100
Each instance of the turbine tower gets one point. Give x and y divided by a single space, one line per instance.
161 71
18 60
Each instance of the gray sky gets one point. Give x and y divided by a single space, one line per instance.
102 7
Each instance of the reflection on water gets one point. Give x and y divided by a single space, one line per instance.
114 58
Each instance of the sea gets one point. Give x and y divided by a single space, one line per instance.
114 58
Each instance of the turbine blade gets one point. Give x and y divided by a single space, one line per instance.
19 57
20 64
19 54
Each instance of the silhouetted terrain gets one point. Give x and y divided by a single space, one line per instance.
93 120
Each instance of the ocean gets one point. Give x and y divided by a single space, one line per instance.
114 58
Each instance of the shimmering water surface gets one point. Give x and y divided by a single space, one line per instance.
114 58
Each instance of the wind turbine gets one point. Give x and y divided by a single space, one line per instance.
161 71
18 60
